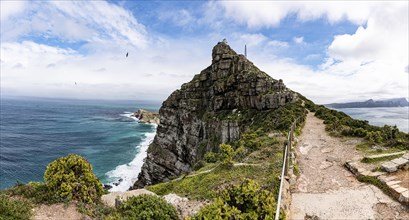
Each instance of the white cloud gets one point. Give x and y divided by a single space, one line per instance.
298 40
277 43
11 8
96 22
151 73
369 63
182 18
257 14
249 39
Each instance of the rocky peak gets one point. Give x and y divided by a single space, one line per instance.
222 51
185 133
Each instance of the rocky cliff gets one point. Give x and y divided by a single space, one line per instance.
205 112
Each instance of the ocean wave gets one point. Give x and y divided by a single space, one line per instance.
129 115
129 172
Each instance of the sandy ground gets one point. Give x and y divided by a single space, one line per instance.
58 212
326 189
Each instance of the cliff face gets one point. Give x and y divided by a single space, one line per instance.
188 124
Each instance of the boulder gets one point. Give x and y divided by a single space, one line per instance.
113 199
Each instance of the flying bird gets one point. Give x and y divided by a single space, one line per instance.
127 54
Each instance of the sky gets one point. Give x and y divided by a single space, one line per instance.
329 51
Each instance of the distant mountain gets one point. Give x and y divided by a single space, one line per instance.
397 102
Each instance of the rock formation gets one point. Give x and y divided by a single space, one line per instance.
193 119
146 117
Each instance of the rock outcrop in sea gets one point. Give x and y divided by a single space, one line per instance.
196 118
146 117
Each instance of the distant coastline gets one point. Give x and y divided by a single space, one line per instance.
396 102
381 116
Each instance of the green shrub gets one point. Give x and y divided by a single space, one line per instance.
12 208
226 154
243 201
211 157
218 210
199 165
374 136
35 191
240 153
146 207
71 177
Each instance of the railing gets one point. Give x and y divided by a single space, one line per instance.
286 163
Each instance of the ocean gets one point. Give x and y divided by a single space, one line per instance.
398 116
34 132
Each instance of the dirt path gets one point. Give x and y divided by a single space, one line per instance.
58 212
326 189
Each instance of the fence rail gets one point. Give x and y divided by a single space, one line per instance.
286 164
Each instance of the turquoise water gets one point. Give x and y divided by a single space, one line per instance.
398 116
34 132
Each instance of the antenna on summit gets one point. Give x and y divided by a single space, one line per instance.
245 50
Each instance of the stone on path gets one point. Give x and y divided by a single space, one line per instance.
391 183
400 162
325 164
390 167
404 197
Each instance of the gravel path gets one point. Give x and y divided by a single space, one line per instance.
327 190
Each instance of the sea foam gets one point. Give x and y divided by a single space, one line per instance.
129 172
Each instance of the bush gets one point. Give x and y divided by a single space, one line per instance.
146 207
199 165
226 154
11 208
35 191
71 177
240 153
211 157
244 201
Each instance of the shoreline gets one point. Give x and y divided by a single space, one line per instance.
126 174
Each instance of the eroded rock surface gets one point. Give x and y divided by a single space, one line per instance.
187 128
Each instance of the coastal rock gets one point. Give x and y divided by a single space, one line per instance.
184 206
147 117
112 199
203 113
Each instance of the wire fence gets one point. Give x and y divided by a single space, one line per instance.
286 164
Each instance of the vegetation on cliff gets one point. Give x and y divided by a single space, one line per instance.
144 207
69 180
340 124
242 201
257 156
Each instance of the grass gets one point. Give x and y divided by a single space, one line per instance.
14 208
16 200
374 181
257 146
206 185
379 159
369 149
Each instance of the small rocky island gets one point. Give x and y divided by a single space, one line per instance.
148 117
